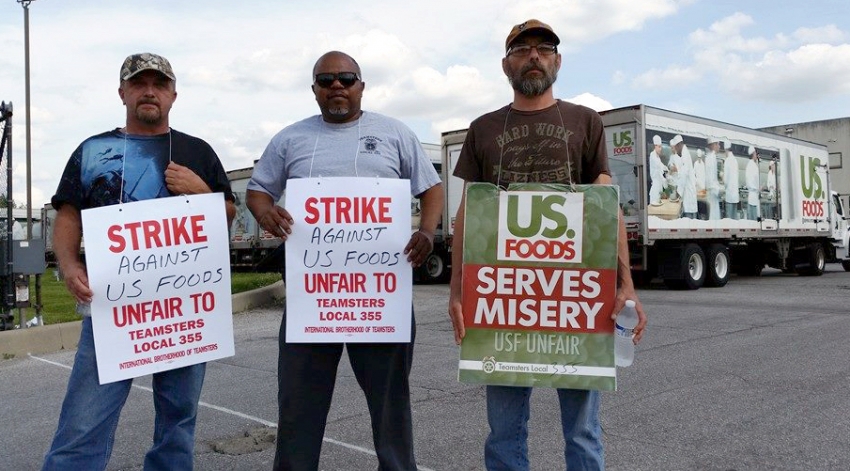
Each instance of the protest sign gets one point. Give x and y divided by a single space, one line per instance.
539 282
160 273
347 277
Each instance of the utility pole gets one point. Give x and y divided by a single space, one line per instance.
26 5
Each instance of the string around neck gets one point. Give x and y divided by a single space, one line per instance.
356 147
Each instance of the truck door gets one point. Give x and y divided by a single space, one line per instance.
839 222
452 145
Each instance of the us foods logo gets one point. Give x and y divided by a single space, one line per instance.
536 226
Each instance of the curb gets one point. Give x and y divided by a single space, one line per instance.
55 337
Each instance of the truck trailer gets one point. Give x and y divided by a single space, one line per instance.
703 199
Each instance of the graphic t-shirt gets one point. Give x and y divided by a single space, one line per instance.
564 143
115 167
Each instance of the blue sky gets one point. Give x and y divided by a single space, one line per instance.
244 68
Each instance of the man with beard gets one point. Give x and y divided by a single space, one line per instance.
145 159
537 138
344 140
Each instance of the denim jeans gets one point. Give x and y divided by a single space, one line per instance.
508 412
89 417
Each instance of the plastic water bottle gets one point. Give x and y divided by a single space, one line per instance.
624 347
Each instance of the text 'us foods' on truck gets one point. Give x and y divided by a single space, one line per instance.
703 199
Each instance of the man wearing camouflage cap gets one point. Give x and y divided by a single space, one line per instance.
145 159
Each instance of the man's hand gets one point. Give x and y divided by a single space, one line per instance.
77 281
182 180
277 221
420 246
624 294
456 315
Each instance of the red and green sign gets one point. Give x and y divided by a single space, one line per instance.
539 281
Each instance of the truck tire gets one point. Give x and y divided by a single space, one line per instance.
433 270
846 265
717 260
815 261
691 269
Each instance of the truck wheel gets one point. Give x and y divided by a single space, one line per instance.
815 260
433 270
691 269
717 260
846 265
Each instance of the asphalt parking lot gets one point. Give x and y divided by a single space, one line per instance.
746 377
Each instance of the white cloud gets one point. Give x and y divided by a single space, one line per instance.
824 34
578 23
663 79
783 68
591 101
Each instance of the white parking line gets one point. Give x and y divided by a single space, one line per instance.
242 415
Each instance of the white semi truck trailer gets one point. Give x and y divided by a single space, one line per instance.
720 199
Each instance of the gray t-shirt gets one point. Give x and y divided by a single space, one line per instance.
372 146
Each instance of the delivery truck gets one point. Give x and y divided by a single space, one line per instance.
704 199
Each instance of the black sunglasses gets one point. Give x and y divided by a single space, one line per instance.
346 79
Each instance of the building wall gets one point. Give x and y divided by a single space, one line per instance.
835 135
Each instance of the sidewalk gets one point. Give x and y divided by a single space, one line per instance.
55 337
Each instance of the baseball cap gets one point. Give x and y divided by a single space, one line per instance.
136 63
528 26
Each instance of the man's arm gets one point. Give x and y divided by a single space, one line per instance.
67 236
271 217
422 241
625 286
455 306
230 211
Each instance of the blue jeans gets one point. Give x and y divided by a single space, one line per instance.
90 412
508 412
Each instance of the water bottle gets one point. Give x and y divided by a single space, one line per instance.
624 347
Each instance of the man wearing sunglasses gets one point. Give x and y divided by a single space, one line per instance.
537 138
344 141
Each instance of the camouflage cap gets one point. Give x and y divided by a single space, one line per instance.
146 61
528 26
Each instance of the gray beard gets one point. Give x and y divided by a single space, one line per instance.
532 87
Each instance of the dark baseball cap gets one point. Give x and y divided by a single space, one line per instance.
529 26
136 63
